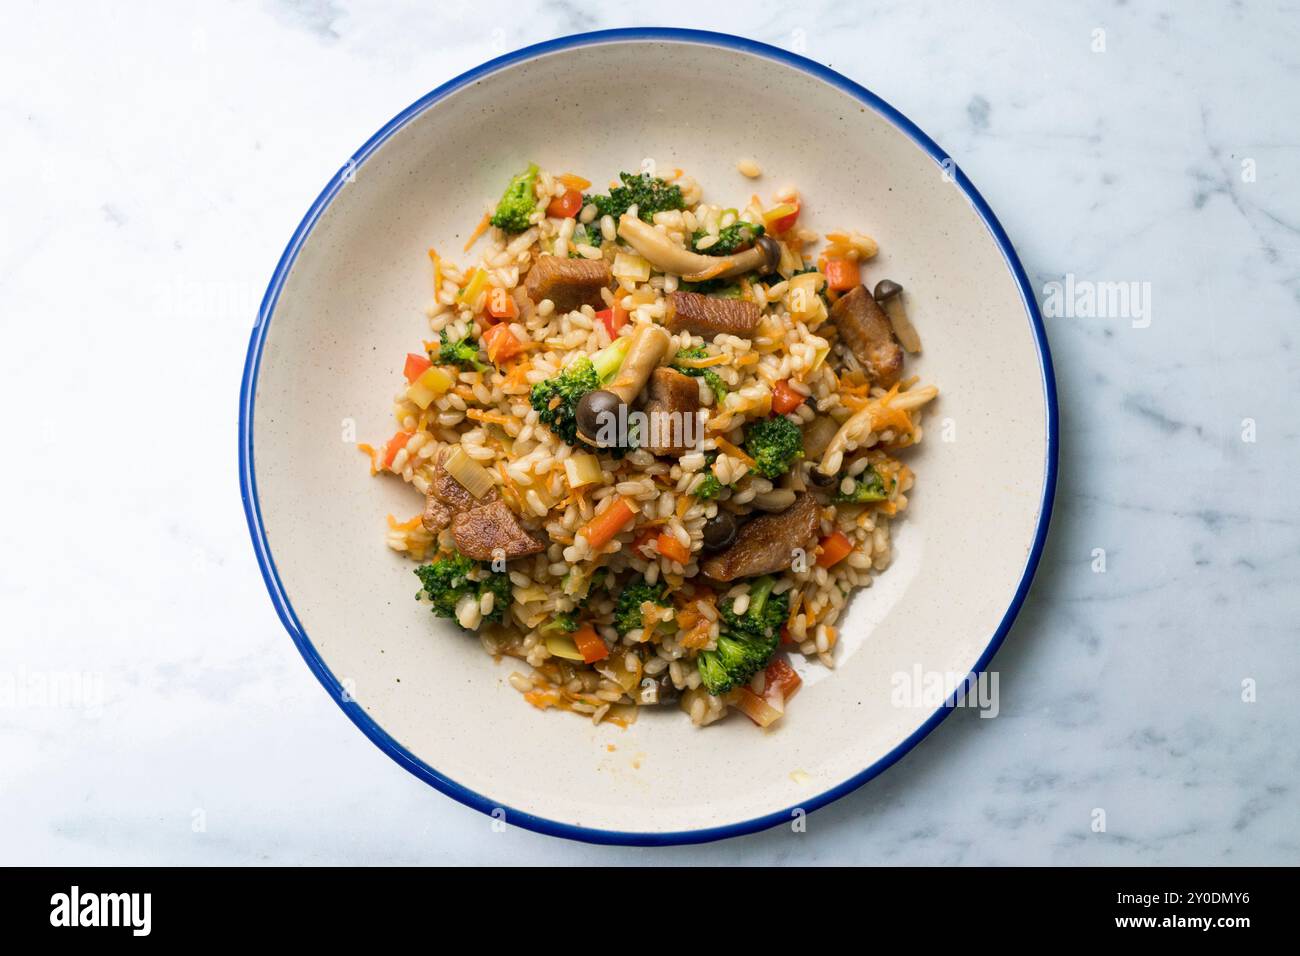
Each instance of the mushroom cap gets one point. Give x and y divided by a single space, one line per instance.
886 289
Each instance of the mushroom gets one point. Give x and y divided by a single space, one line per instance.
889 296
649 344
862 422
665 256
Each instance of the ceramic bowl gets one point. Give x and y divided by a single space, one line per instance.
346 304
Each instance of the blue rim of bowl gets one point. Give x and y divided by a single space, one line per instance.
248 479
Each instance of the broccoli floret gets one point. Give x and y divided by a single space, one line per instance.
564 622
869 486
746 641
648 193
709 488
461 352
447 580
627 610
557 398
517 202
716 385
718 288
737 236
499 585
775 444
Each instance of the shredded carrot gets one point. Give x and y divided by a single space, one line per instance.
374 456
496 418
707 362
481 228
683 506
509 482
574 182
733 451
437 270
747 359
677 174
410 525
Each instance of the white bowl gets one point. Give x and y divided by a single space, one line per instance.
346 303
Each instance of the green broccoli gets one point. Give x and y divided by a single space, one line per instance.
557 398
868 486
709 488
517 202
716 385
718 288
746 641
447 580
737 236
627 610
648 193
461 352
775 444
564 622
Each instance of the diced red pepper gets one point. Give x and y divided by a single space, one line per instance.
590 645
786 223
415 366
835 548
785 399
395 444
781 676
614 318
501 344
565 206
501 304
841 274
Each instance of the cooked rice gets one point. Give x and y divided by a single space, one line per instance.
526 461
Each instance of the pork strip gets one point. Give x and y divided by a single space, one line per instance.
864 328
766 544
568 283
708 316
671 411
482 531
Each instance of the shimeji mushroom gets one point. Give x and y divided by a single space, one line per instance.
665 256
889 296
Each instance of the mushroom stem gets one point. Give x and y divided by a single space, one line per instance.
665 256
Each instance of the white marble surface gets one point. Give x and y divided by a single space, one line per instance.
156 159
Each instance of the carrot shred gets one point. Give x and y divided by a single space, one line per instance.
733 451
374 456
496 418
481 228
707 362
601 529
574 181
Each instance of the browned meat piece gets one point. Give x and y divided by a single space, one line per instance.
672 413
704 315
436 515
864 328
447 496
568 283
766 544
482 531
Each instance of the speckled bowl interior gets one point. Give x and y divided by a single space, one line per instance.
348 306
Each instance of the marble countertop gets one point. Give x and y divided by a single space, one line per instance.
157 159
